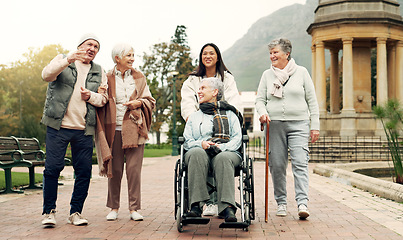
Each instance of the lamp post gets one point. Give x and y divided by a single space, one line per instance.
174 133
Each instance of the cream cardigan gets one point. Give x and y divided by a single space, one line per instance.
190 98
299 99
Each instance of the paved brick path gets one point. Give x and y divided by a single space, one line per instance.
337 211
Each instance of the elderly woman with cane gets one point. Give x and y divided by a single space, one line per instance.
286 98
212 139
122 130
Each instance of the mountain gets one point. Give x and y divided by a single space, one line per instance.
249 56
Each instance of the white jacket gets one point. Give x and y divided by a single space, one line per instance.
190 98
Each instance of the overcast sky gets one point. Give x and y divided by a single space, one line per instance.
141 23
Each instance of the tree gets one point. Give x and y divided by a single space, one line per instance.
184 66
157 66
23 91
164 59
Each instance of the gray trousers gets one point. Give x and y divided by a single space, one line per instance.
292 135
223 166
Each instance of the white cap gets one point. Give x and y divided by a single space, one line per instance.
86 37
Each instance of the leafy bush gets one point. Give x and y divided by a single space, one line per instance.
391 119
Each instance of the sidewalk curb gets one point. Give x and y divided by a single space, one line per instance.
379 187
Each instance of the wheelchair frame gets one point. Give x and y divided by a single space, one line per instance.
246 187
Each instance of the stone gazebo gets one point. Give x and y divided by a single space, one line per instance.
353 28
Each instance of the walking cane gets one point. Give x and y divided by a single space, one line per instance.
266 212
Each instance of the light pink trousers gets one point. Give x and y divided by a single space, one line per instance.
134 161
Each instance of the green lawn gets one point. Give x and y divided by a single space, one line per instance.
150 150
18 179
157 152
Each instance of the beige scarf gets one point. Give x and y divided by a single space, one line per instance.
136 123
282 75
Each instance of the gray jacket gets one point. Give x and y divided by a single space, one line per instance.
59 93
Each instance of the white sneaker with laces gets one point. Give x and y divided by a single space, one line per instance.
49 220
112 216
77 220
303 212
210 210
282 210
136 216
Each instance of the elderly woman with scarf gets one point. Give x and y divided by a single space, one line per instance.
212 139
122 130
286 98
211 64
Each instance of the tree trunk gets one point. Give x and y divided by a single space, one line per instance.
399 179
158 137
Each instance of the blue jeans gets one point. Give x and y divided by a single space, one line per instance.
81 152
292 135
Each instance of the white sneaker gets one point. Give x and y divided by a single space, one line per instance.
210 210
303 212
282 210
49 220
112 216
77 220
136 216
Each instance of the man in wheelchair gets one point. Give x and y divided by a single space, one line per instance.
212 138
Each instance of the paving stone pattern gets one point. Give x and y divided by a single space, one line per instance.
337 211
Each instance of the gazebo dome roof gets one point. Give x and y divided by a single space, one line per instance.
330 12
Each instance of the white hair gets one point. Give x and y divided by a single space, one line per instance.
215 83
284 44
120 50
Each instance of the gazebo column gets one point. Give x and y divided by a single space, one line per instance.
399 71
348 81
347 125
391 73
313 48
334 81
320 77
381 72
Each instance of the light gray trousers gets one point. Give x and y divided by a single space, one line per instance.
292 135
223 166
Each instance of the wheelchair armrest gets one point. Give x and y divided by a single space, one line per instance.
181 140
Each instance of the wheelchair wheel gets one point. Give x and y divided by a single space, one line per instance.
179 224
252 189
177 196
249 192
176 188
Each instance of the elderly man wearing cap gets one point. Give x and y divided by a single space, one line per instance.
70 117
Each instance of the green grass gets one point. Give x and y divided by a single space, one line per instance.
157 152
150 150
154 150
19 179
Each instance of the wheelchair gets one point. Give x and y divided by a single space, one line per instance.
246 203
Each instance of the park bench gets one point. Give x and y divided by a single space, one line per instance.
11 156
28 151
32 152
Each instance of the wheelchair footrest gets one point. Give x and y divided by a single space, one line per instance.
195 220
234 225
